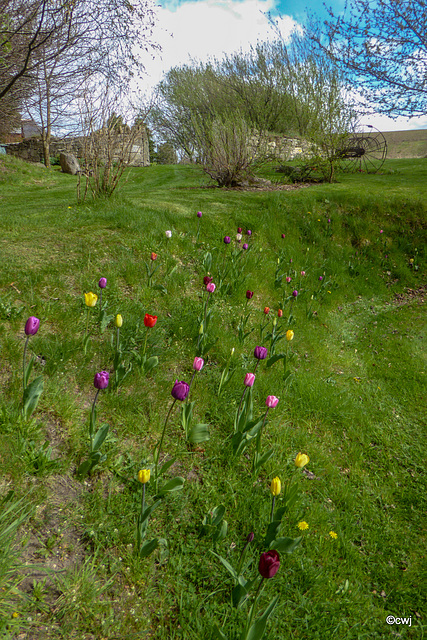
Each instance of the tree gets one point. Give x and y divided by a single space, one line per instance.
383 48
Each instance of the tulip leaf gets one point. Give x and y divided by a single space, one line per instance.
27 371
275 359
174 484
263 459
238 595
272 531
167 465
32 395
285 545
221 531
160 287
198 433
257 630
148 511
231 570
217 514
148 548
84 469
100 436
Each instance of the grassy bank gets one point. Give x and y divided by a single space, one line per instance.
351 396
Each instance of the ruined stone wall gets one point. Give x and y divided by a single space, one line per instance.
31 150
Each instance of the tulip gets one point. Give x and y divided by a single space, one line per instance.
210 287
168 233
303 273
283 235
90 299
207 280
180 390
269 563
266 310
239 237
320 278
249 294
295 293
381 231
289 335
329 221
301 460
102 283
198 364
239 229
150 321
250 537
271 402
291 261
32 326
144 476
288 279
199 214
280 313
276 486
249 232
118 321
154 256
249 380
101 380
260 353
227 239
245 246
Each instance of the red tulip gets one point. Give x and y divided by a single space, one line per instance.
150 321
269 563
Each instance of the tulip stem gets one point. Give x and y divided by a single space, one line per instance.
143 500
191 382
272 508
240 405
159 446
145 343
87 321
92 420
258 443
23 363
252 611
118 337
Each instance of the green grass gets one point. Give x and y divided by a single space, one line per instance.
355 404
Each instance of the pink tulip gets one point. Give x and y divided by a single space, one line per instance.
198 364
271 402
210 287
249 379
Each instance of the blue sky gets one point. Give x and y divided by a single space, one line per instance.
199 29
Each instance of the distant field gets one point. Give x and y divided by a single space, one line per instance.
406 144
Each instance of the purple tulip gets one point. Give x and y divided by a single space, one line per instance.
199 214
32 326
249 379
102 283
260 353
250 537
249 232
320 278
180 390
245 246
198 364
271 402
283 235
249 294
227 239
329 221
295 293
101 380
269 563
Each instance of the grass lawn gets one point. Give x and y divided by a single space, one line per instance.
346 265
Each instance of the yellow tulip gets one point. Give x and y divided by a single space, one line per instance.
90 299
144 476
276 486
289 335
301 460
119 320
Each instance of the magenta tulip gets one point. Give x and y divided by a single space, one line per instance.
101 380
249 379
180 390
260 353
271 402
102 283
210 287
198 364
32 326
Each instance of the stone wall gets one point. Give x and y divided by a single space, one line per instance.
31 150
282 148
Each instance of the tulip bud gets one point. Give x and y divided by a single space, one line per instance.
260 353
289 335
227 239
201 328
301 460
271 402
199 214
239 237
283 235
101 380
269 563
288 279
198 364
207 280
32 326
168 233
250 537
320 278
180 390
249 294
102 283
266 310
239 230
90 299
119 321
154 256
295 293
249 379
276 486
280 313
211 287
249 232
303 273
245 246
144 476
